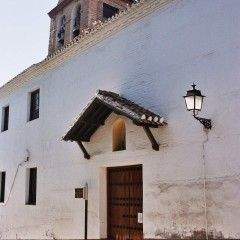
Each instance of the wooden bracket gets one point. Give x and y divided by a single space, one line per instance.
86 154
153 141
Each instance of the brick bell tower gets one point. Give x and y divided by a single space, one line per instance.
70 17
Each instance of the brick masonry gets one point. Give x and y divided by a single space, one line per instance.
91 11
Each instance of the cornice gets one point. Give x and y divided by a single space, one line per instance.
88 39
61 5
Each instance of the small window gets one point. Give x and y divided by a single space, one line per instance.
32 186
2 185
119 135
5 118
34 105
109 11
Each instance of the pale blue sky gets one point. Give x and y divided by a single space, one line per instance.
24 26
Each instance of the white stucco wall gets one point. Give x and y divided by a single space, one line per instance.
153 63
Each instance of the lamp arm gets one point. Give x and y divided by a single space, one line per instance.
207 123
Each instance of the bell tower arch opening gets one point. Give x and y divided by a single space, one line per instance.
61 32
70 17
76 21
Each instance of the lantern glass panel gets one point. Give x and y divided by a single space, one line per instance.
198 102
189 102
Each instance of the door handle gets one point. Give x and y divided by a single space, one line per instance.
140 218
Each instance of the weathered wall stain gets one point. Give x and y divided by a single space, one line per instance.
193 235
181 207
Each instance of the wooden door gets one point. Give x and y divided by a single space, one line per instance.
125 194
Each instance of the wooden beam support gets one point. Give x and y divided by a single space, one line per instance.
153 141
85 153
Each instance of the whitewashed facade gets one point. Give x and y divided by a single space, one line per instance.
151 54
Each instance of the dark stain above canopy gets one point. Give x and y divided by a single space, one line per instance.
103 104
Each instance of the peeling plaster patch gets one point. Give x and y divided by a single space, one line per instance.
50 234
160 189
164 187
214 185
192 235
224 201
184 182
178 208
154 215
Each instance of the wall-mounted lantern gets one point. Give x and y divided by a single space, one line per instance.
194 102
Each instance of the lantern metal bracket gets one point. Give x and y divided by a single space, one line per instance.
207 123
